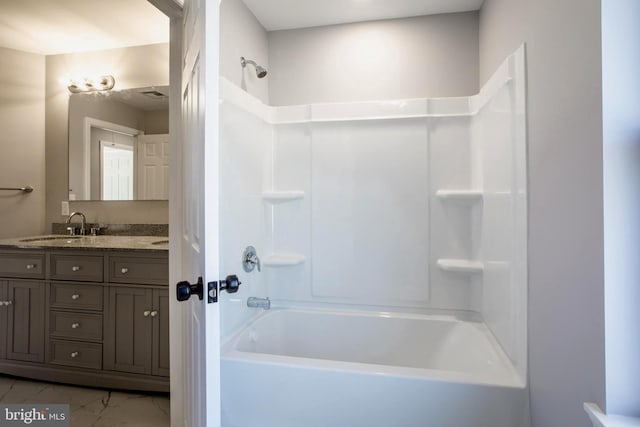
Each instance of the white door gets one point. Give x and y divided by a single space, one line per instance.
199 384
116 171
152 167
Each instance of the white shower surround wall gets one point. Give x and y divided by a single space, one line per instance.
410 206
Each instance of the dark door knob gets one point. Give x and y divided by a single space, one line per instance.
185 289
230 284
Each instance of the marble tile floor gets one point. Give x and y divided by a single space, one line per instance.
91 407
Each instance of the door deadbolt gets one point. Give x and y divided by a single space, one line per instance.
230 284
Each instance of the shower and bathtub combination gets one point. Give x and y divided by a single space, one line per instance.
392 243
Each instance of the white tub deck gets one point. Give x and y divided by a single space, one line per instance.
438 347
291 365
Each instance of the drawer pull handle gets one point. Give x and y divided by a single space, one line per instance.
75 296
154 313
75 268
75 325
5 303
124 270
74 354
31 266
146 313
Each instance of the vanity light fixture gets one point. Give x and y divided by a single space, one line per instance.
101 83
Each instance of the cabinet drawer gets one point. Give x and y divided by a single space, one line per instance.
78 354
146 271
76 296
83 268
71 325
30 266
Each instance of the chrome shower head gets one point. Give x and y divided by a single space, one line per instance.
260 71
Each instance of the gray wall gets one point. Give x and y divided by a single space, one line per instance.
621 123
132 67
156 122
427 56
22 141
566 272
242 35
430 56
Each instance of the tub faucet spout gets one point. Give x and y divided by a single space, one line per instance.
253 302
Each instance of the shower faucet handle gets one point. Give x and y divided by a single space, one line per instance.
250 259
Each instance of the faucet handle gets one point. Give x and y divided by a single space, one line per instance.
256 261
250 259
72 230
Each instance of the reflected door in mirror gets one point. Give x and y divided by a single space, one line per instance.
152 167
116 171
112 164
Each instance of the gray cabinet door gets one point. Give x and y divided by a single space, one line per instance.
161 333
3 319
128 344
25 321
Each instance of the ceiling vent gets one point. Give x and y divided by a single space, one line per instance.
154 94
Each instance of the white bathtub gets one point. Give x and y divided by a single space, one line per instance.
308 368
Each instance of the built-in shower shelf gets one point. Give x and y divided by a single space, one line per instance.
460 196
283 260
461 266
282 196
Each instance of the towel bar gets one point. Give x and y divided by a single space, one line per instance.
27 189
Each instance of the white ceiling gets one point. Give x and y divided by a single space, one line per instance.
63 26
154 98
288 14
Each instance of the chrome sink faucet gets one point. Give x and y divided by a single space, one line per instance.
83 226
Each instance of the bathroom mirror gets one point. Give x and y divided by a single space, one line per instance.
119 145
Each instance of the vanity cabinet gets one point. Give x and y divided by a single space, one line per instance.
138 330
90 317
76 314
22 306
22 320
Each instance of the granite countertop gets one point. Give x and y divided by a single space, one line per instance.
124 243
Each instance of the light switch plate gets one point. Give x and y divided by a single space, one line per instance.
65 208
